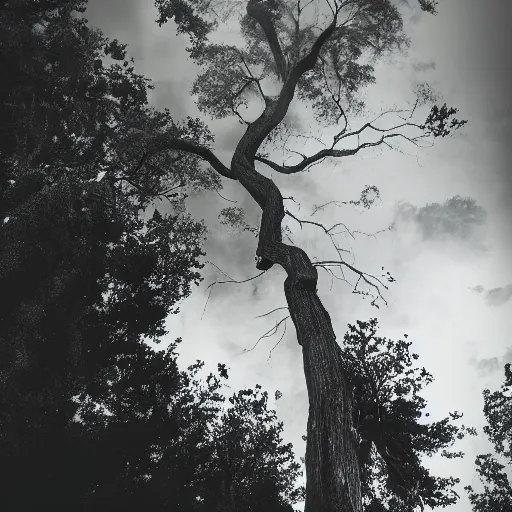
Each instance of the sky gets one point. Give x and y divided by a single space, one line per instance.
453 289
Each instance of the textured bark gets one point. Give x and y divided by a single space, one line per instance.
332 469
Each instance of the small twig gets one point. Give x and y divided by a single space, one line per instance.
328 231
362 276
278 341
231 280
267 334
225 198
270 312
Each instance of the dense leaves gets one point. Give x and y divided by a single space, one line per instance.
393 433
496 495
75 250
251 469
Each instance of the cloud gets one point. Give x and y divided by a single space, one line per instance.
496 296
492 365
458 218
423 66
488 366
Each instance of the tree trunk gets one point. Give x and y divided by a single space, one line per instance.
332 469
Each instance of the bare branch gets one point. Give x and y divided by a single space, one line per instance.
364 276
327 231
269 333
231 280
225 198
336 153
256 80
201 151
278 341
270 312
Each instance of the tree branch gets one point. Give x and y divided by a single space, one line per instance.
261 15
337 153
201 151
362 276
276 109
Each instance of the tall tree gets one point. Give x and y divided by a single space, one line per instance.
495 477
325 67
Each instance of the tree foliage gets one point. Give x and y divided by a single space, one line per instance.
495 476
79 265
392 429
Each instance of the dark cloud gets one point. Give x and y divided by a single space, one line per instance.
488 366
457 218
423 66
495 296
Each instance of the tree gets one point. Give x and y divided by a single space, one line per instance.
83 276
78 168
325 67
163 438
251 469
391 430
497 491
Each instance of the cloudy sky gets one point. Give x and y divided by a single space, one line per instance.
453 294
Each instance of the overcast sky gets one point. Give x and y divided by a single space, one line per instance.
453 294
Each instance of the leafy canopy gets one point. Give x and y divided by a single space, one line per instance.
324 53
392 430
497 486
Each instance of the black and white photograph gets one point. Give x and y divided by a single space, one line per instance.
256 255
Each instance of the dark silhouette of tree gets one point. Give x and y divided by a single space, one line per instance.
392 432
83 276
495 477
164 439
250 466
325 67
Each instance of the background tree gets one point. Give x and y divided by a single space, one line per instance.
325 67
164 438
251 469
497 488
392 430
83 275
